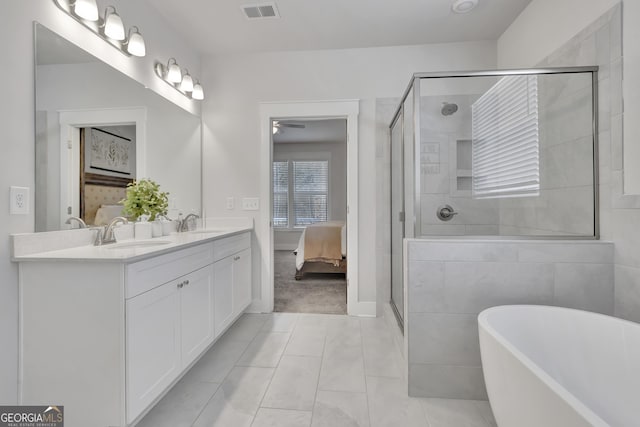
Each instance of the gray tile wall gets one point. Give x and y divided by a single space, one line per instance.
601 44
439 170
451 281
565 205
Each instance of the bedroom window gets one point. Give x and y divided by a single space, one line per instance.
281 194
300 193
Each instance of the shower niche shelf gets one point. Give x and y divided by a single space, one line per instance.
463 175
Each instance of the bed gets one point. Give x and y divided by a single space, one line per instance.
322 248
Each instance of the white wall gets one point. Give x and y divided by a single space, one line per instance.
544 26
17 122
241 82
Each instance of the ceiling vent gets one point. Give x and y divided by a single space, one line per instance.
260 11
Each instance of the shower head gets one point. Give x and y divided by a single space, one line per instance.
448 109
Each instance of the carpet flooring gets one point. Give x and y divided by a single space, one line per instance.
314 293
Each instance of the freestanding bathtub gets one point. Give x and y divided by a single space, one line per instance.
559 367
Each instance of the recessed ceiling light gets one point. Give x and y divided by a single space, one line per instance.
463 6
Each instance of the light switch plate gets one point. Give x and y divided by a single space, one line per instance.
250 204
19 201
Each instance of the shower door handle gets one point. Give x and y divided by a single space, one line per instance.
401 216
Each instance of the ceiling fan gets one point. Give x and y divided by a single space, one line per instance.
278 126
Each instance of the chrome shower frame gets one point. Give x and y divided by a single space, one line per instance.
414 84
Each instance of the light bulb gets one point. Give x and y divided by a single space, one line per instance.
86 9
174 75
135 44
198 92
187 83
113 26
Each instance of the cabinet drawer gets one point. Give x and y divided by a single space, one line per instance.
231 245
148 274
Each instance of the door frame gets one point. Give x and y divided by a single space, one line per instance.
398 120
69 142
349 110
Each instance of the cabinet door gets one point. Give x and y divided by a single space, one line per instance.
223 293
153 345
241 281
196 309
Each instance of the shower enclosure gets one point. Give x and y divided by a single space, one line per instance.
493 154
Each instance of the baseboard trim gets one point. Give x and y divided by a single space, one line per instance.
284 247
363 309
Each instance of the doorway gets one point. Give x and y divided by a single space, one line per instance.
309 200
348 110
70 123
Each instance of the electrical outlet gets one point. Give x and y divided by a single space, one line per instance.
230 203
250 204
19 201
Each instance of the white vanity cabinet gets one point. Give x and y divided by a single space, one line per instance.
106 338
168 327
232 279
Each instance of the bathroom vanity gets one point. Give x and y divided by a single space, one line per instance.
105 331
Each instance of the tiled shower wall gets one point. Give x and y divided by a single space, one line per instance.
601 44
451 281
442 156
565 205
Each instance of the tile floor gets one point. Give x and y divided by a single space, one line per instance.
306 370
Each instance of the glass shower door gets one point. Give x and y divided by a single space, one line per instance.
397 216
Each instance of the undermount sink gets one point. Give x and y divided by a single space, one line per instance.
139 244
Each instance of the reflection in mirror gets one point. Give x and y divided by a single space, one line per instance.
96 131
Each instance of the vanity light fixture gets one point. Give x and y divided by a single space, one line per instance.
171 73
198 91
180 80
187 82
112 25
110 28
86 9
135 42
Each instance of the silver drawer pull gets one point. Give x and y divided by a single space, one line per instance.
236 258
186 282
180 285
183 284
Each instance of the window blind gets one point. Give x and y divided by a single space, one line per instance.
310 191
505 143
308 200
281 194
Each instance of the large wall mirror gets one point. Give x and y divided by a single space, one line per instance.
97 130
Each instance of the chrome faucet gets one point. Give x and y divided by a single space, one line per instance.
183 225
80 222
105 235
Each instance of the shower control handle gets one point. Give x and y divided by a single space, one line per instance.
445 213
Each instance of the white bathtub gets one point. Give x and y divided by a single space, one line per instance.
551 366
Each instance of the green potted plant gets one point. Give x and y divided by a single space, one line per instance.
145 198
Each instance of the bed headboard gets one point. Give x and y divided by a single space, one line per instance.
97 195
100 190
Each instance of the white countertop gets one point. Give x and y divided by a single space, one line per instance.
123 253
